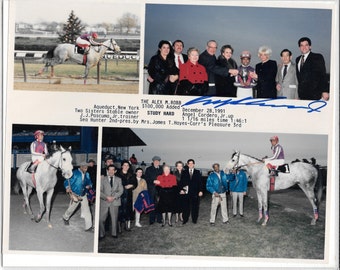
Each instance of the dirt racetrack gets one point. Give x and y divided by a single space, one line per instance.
77 85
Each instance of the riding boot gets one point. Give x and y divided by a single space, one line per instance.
32 168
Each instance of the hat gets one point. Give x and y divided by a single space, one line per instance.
245 54
84 164
156 158
36 133
274 138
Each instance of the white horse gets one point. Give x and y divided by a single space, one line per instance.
63 52
44 180
303 174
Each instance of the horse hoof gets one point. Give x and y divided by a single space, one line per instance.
313 223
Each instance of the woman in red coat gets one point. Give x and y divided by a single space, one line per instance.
166 183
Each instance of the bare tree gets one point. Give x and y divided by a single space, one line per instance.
127 22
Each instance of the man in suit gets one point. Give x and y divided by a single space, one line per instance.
111 189
209 61
180 58
191 184
151 174
311 73
286 80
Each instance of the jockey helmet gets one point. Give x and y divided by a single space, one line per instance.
245 54
94 35
38 132
274 138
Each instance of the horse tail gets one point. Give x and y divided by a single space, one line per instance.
318 188
50 53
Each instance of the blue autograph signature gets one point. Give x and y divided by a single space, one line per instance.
313 106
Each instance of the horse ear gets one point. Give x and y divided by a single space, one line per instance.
62 148
70 148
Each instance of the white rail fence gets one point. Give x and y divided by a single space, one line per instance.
108 56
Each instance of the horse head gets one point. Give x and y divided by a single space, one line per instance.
114 46
63 159
233 163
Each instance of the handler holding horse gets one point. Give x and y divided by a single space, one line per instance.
76 186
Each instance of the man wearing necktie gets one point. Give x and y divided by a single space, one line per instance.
192 184
286 79
180 58
111 189
312 78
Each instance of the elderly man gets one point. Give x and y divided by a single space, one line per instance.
208 60
76 186
151 174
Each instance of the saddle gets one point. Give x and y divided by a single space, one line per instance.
78 49
81 50
275 172
282 169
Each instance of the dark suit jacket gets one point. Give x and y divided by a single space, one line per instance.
312 77
210 64
195 184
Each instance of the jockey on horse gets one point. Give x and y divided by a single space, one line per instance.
38 150
86 40
278 157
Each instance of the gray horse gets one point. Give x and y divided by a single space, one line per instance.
63 52
44 180
303 174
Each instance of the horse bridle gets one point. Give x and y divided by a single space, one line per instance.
108 47
237 167
59 167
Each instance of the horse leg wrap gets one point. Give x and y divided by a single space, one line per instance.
316 214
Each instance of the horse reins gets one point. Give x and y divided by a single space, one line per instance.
236 167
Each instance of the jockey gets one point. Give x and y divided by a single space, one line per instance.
278 156
86 40
38 150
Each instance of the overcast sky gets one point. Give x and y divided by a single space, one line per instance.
245 28
89 11
207 147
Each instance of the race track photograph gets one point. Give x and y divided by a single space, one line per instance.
53 183
289 225
74 50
